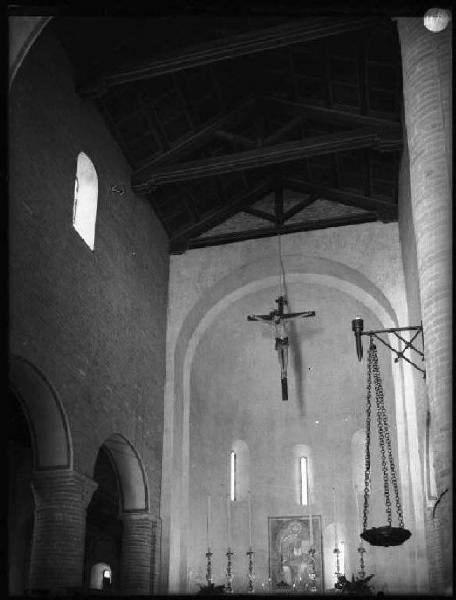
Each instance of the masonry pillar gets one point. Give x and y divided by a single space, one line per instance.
156 552
58 545
136 556
426 67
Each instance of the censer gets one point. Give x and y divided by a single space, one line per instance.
386 535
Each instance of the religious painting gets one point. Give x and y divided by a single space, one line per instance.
290 564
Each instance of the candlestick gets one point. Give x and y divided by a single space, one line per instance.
250 520
229 572
335 517
208 521
251 576
312 574
209 567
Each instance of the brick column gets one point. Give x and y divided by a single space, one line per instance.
136 556
57 557
156 555
426 67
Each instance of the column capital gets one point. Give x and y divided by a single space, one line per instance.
57 487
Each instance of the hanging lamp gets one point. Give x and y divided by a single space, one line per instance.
386 535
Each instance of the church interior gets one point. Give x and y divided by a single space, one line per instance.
230 255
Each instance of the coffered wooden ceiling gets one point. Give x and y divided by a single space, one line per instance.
238 128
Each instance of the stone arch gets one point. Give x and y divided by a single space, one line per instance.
246 280
130 472
48 424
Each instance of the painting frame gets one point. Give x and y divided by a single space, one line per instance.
289 541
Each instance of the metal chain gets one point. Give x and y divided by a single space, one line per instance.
384 418
368 421
384 436
381 430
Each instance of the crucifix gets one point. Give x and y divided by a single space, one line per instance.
279 321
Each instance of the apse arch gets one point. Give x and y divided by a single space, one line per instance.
131 474
244 281
48 423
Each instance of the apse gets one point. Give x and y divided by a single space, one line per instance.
236 409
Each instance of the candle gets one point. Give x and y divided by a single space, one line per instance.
250 520
310 522
228 521
208 521
335 517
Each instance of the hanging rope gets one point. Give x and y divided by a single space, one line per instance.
281 267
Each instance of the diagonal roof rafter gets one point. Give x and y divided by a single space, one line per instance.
304 30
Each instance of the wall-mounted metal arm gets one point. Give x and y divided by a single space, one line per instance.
358 329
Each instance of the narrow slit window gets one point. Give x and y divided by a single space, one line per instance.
233 475
85 199
304 480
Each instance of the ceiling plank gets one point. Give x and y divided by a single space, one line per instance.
227 48
335 116
278 204
363 75
384 209
178 242
148 178
284 130
235 138
251 234
195 139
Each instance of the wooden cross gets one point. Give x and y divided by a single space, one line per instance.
279 319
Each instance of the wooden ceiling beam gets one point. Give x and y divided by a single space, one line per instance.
250 234
197 138
146 179
227 48
261 214
384 209
335 116
179 241
301 205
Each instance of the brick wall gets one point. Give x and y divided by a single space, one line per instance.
93 323
426 60
408 251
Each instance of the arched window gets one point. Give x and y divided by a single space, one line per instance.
239 471
85 199
100 576
302 456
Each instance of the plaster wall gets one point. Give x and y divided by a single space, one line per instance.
348 271
235 394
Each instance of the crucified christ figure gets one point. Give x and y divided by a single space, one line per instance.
279 321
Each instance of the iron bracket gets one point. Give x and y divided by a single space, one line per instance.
358 329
